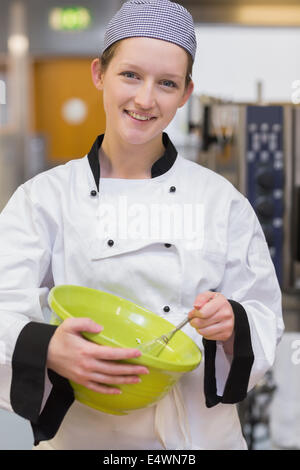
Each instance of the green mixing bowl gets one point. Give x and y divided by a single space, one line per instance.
126 325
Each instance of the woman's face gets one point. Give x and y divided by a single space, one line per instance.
143 86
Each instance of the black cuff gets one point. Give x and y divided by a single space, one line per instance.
238 378
28 382
210 383
58 403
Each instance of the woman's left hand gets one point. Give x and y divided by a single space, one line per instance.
213 317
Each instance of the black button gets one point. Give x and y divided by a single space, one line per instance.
110 242
93 193
172 189
167 245
166 308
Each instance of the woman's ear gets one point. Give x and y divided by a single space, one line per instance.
97 75
187 94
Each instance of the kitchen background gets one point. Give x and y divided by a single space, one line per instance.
243 121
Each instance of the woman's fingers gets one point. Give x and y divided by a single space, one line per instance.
92 369
88 363
212 316
99 388
106 373
216 332
124 369
203 298
80 324
216 327
113 379
212 305
111 353
116 368
100 373
203 321
200 323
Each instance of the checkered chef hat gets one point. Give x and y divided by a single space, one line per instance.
159 19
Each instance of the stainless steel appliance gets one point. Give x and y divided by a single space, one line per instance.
257 148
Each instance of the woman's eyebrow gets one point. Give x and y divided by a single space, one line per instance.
135 66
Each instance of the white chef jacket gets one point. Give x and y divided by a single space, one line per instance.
56 229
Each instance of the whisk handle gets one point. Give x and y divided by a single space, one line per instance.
184 322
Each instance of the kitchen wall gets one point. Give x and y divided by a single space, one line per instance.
231 59
44 41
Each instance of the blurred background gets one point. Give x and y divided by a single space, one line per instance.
242 121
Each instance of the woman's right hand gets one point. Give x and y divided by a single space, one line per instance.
90 364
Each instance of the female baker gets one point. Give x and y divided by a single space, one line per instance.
56 229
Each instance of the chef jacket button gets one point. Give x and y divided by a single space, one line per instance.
110 242
166 308
168 245
93 193
172 189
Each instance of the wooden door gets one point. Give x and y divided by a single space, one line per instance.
68 109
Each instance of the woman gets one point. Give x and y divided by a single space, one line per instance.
64 227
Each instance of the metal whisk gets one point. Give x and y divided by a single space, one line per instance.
157 345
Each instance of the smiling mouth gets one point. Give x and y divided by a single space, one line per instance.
139 117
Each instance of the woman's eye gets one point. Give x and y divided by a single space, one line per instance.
129 74
165 83
169 83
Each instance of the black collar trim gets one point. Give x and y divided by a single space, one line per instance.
161 166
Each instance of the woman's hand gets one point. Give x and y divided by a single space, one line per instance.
90 364
213 318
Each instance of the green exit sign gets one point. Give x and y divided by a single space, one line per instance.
70 18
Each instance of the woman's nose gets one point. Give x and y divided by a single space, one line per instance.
144 97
